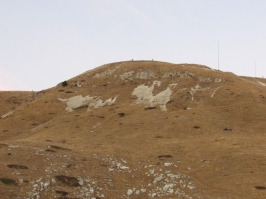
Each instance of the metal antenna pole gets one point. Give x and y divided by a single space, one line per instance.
218 55
255 67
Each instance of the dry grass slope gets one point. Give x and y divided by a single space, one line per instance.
136 129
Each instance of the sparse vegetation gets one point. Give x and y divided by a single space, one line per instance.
66 180
150 149
3 145
8 181
260 187
164 156
15 166
62 193
121 114
59 148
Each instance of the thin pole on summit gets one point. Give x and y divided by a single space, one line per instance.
255 67
218 55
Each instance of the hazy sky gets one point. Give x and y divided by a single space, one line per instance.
44 42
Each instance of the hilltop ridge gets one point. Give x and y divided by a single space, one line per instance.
137 129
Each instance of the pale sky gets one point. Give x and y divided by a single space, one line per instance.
44 42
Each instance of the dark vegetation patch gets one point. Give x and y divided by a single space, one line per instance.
150 108
8 181
260 187
59 148
101 116
9 154
66 180
50 150
62 193
61 90
196 127
121 114
185 108
164 156
34 124
5 130
69 92
51 113
15 166
3 145
48 140
228 129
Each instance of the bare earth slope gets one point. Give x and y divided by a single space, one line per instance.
138 129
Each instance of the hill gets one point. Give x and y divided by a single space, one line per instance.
136 129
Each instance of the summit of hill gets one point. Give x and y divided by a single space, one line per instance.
136 129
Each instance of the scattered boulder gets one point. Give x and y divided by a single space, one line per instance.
64 83
46 185
80 181
78 83
130 192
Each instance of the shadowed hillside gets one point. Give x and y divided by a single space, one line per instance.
136 129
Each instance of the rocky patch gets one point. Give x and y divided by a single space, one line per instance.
87 101
145 95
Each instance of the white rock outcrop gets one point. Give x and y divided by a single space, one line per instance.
87 101
145 95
